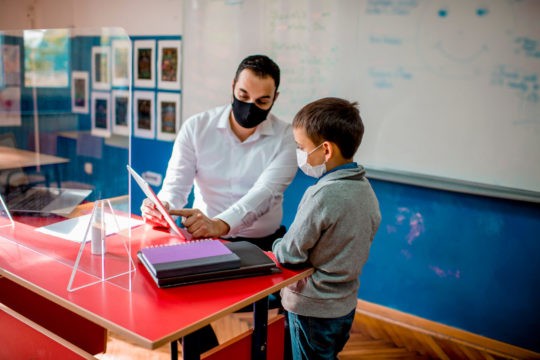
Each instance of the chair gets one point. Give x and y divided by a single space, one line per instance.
89 149
17 177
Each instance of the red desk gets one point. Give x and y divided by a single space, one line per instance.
147 315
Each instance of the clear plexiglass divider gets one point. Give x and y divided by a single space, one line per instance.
65 140
5 217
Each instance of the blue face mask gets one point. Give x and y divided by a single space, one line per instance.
248 115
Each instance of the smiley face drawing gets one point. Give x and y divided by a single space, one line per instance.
460 38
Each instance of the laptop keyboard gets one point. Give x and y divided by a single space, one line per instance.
30 200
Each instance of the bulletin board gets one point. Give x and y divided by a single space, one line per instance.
449 91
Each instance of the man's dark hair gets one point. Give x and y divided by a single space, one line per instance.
332 119
261 65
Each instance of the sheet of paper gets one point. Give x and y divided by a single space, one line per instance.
74 229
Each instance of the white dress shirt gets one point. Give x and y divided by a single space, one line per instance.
241 183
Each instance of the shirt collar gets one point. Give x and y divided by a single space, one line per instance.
351 165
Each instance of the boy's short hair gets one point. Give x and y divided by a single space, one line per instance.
262 66
332 119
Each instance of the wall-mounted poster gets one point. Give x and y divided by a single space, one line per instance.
1 62
10 106
121 62
143 114
100 68
144 55
168 116
101 120
79 92
121 112
10 65
46 57
169 64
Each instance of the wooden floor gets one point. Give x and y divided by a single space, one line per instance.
225 329
378 333
360 346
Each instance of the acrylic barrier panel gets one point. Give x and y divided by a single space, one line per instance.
65 134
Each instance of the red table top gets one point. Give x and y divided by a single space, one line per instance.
147 315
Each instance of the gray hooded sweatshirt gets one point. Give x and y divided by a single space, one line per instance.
334 226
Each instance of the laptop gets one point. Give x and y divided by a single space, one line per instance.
149 192
43 200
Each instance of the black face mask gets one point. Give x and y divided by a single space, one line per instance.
248 115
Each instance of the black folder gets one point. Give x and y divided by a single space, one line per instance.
253 262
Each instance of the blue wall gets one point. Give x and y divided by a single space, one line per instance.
466 261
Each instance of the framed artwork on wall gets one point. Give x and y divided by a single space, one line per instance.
143 114
169 58
101 120
121 62
10 106
168 115
121 112
10 65
79 92
144 55
101 68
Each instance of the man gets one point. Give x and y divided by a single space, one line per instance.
240 159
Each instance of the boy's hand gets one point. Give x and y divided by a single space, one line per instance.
200 225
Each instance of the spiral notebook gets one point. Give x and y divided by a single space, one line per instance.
188 258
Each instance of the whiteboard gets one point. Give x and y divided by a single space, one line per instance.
449 89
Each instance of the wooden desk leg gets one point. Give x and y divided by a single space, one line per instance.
260 329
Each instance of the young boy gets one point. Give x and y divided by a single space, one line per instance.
333 229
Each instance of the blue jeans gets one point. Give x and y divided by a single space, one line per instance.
319 338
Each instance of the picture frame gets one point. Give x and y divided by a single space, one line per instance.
79 92
101 114
121 62
168 115
2 81
101 71
143 114
10 106
121 112
144 59
169 64
10 65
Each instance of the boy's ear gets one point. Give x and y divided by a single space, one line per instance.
276 96
328 150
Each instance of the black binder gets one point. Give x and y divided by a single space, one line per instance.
253 262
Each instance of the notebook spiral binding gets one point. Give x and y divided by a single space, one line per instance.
187 242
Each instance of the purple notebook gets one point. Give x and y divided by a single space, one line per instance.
188 258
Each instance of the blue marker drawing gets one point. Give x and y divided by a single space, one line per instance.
458 38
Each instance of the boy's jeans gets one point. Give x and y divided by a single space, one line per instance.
319 338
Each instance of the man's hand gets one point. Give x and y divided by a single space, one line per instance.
151 214
200 225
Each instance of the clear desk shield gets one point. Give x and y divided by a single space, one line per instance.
104 253
5 217
65 141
